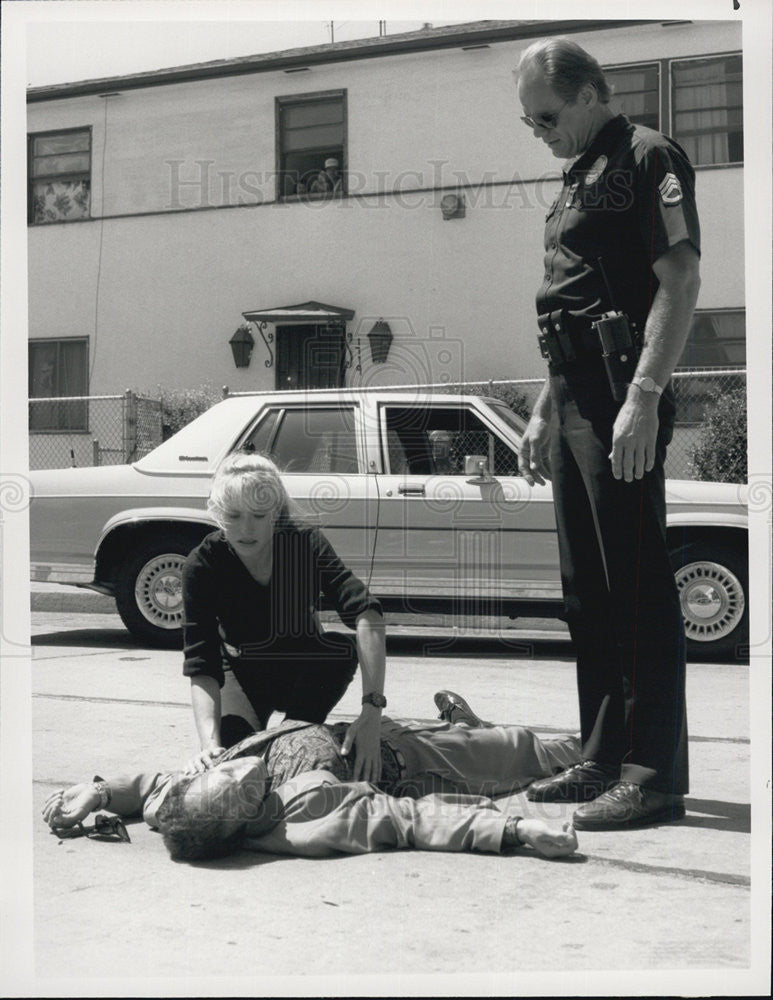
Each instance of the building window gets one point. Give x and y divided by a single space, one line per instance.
636 92
58 368
707 108
700 103
59 176
311 134
717 339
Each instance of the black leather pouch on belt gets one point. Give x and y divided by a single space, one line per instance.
620 351
564 338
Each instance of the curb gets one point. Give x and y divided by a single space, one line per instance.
79 602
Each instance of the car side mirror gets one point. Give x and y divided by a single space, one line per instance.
476 466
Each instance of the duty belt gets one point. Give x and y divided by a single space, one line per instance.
564 338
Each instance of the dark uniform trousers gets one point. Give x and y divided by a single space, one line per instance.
620 597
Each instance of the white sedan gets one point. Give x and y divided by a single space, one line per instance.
418 493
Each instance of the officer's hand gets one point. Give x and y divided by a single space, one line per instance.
533 461
634 436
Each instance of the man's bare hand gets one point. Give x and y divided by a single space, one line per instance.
634 436
365 735
549 841
533 461
204 760
71 805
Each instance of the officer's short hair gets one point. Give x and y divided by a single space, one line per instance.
566 66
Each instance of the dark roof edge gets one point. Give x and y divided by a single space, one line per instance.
477 33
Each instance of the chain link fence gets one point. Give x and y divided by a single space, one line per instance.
92 430
710 432
709 439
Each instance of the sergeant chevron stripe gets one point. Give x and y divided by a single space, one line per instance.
670 191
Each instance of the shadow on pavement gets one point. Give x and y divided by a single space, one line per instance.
454 647
240 861
733 816
458 647
253 859
115 638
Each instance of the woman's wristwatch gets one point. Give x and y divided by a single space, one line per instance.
375 699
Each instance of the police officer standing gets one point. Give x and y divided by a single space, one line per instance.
622 245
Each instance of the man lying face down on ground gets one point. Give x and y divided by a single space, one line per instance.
289 790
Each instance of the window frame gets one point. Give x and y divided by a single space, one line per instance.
310 97
73 175
278 411
84 425
708 311
471 413
666 93
639 64
707 57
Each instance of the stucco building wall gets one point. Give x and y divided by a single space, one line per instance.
159 277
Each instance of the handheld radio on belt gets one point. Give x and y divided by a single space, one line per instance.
617 346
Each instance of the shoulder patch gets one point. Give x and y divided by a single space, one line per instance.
670 190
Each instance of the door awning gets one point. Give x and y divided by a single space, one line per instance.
306 312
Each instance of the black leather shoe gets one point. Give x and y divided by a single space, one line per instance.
453 708
626 805
580 783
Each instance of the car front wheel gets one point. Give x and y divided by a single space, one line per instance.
713 585
148 591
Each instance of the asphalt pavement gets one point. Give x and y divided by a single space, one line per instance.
665 910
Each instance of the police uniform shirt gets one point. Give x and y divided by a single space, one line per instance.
627 199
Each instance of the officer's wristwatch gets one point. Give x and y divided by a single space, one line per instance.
647 384
375 699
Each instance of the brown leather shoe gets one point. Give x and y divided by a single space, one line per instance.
580 783
628 805
453 708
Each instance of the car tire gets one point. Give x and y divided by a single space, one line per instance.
148 589
713 585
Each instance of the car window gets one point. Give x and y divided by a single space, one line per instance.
435 441
318 439
513 420
259 438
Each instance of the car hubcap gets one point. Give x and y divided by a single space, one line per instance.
712 599
158 591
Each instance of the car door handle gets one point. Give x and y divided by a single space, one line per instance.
411 489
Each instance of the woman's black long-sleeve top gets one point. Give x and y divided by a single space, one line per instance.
223 603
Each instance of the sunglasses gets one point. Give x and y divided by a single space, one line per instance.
105 828
547 120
